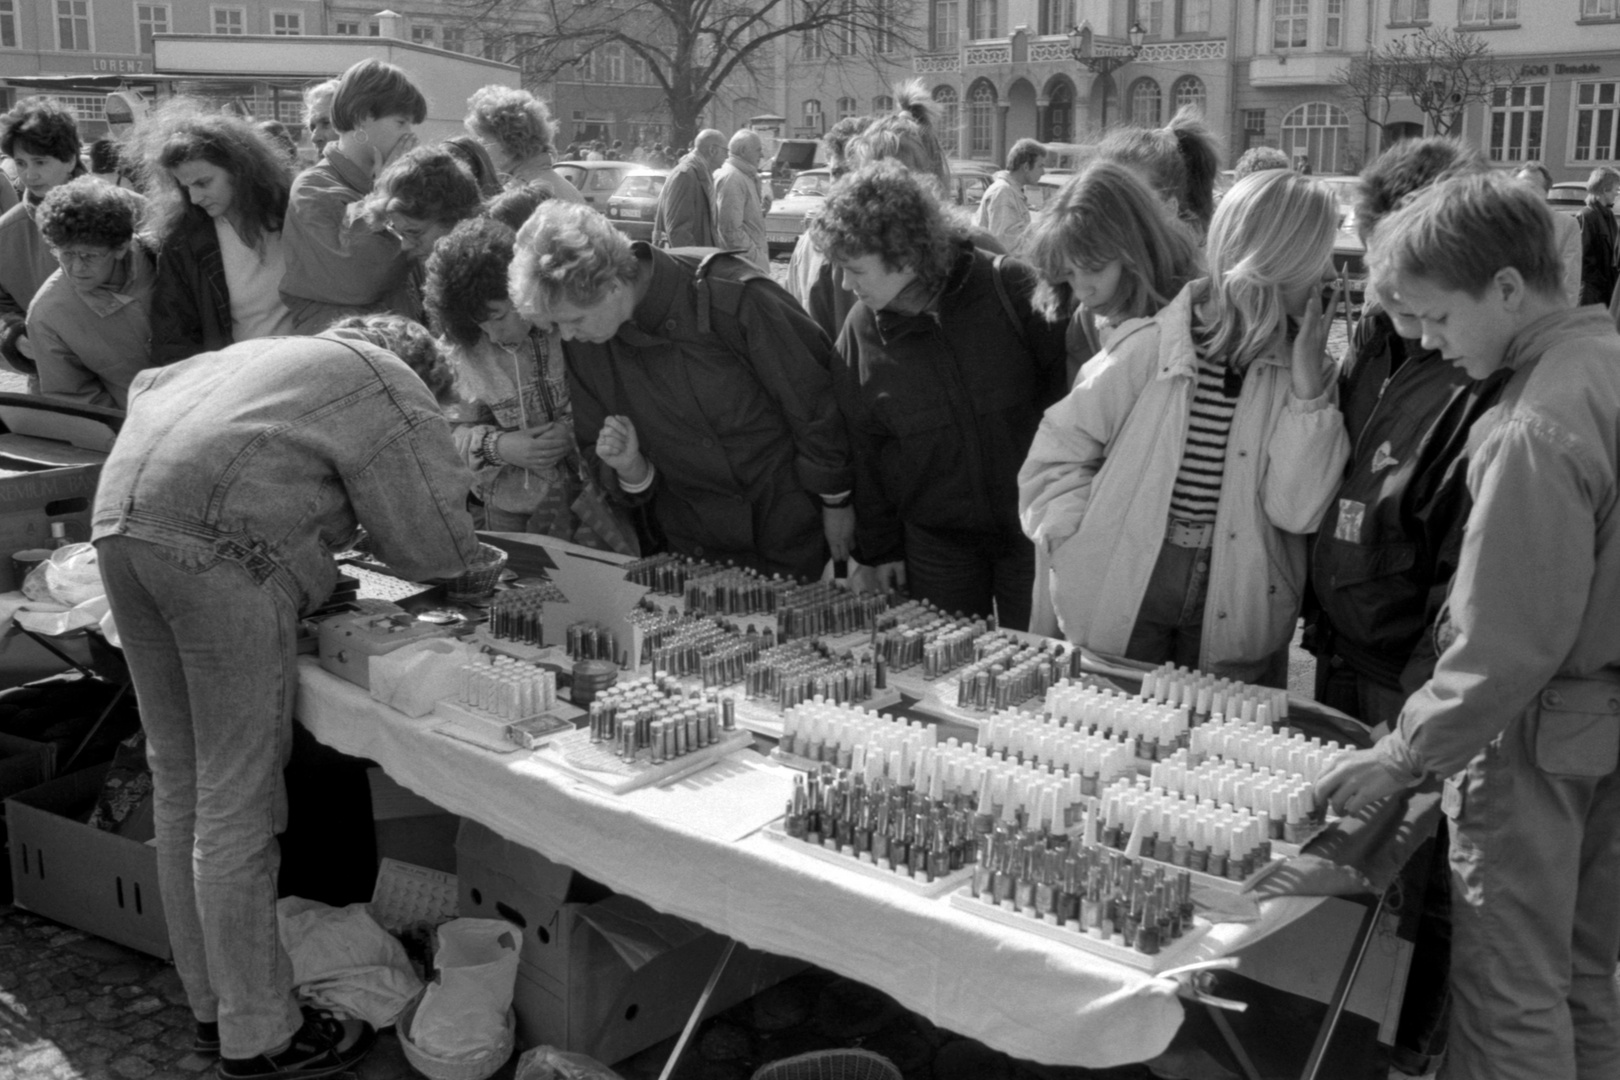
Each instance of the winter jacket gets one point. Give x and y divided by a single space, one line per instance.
729 389
508 391
1534 600
1599 235
685 215
739 213
942 405
1095 492
25 262
90 346
1387 548
191 302
336 265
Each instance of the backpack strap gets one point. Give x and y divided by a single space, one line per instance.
1007 303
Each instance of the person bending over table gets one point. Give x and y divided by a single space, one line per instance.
234 478
700 384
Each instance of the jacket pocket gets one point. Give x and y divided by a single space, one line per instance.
1578 728
1367 591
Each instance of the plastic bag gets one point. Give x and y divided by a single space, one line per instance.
70 576
549 1063
463 1010
343 960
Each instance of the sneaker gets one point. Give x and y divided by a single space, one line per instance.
206 1040
324 1045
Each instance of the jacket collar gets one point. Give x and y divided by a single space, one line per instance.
741 166
649 323
348 170
1551 330
917 305
1178 355
137 280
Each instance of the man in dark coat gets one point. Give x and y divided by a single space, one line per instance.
685 215
1599 235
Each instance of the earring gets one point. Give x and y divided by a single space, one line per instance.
362 136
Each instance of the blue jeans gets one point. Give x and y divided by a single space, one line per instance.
1170 623
972 574
213 656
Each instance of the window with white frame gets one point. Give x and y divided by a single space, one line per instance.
884 37
1518 116
883 103
1290 24
812 47
1194 16
287 23
950 116
811 111
983 19
527 48
1597 121
73 26
346 28
1333 25
1600 9
847 106
455 39
1189 90
227 20
1320 132
423 35
150 19
1150 13
638 69
493 49
1145 102
585 69
844 34
981 120
8 24
1409 11
1488 12
84 106
613 55
1056 16
945 24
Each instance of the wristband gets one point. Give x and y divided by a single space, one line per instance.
488 448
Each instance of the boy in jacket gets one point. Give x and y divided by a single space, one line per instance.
1522 714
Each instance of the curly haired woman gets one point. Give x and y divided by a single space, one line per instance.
515 127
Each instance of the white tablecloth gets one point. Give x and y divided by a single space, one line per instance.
1014 991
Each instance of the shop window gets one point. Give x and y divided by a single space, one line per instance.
950 117
1319 132
1518 116
1145 103
1597 108
981 120
1488 12
1189 90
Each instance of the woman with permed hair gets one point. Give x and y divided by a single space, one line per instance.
89 323
219 192
1174 487
515 128
42 137
512 421
945 366
338 263
420 198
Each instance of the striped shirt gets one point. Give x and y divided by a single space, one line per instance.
1197 490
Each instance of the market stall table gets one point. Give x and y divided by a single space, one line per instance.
689 851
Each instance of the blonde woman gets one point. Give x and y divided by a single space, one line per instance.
1174 487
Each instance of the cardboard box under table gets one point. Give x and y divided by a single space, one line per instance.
81 876
577 989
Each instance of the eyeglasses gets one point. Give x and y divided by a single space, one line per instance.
87 259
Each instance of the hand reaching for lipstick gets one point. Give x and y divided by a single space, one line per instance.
1356 780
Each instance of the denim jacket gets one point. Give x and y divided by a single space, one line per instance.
271 452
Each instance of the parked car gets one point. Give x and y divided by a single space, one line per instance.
596 180
792 157
788 215
634 202
970 180
1569 196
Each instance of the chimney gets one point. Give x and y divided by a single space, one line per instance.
390 24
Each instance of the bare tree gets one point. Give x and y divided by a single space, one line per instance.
1441 71
691 47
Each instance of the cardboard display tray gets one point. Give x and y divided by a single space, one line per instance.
596 763
938 887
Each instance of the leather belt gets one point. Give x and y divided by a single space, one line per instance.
1190 534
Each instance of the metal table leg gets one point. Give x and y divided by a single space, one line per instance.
697 1010
1341 993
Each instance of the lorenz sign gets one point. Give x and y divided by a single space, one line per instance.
1532 71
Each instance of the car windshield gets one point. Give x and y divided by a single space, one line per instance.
811 184
603 179
646 187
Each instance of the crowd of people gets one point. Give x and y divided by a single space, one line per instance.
1116 420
